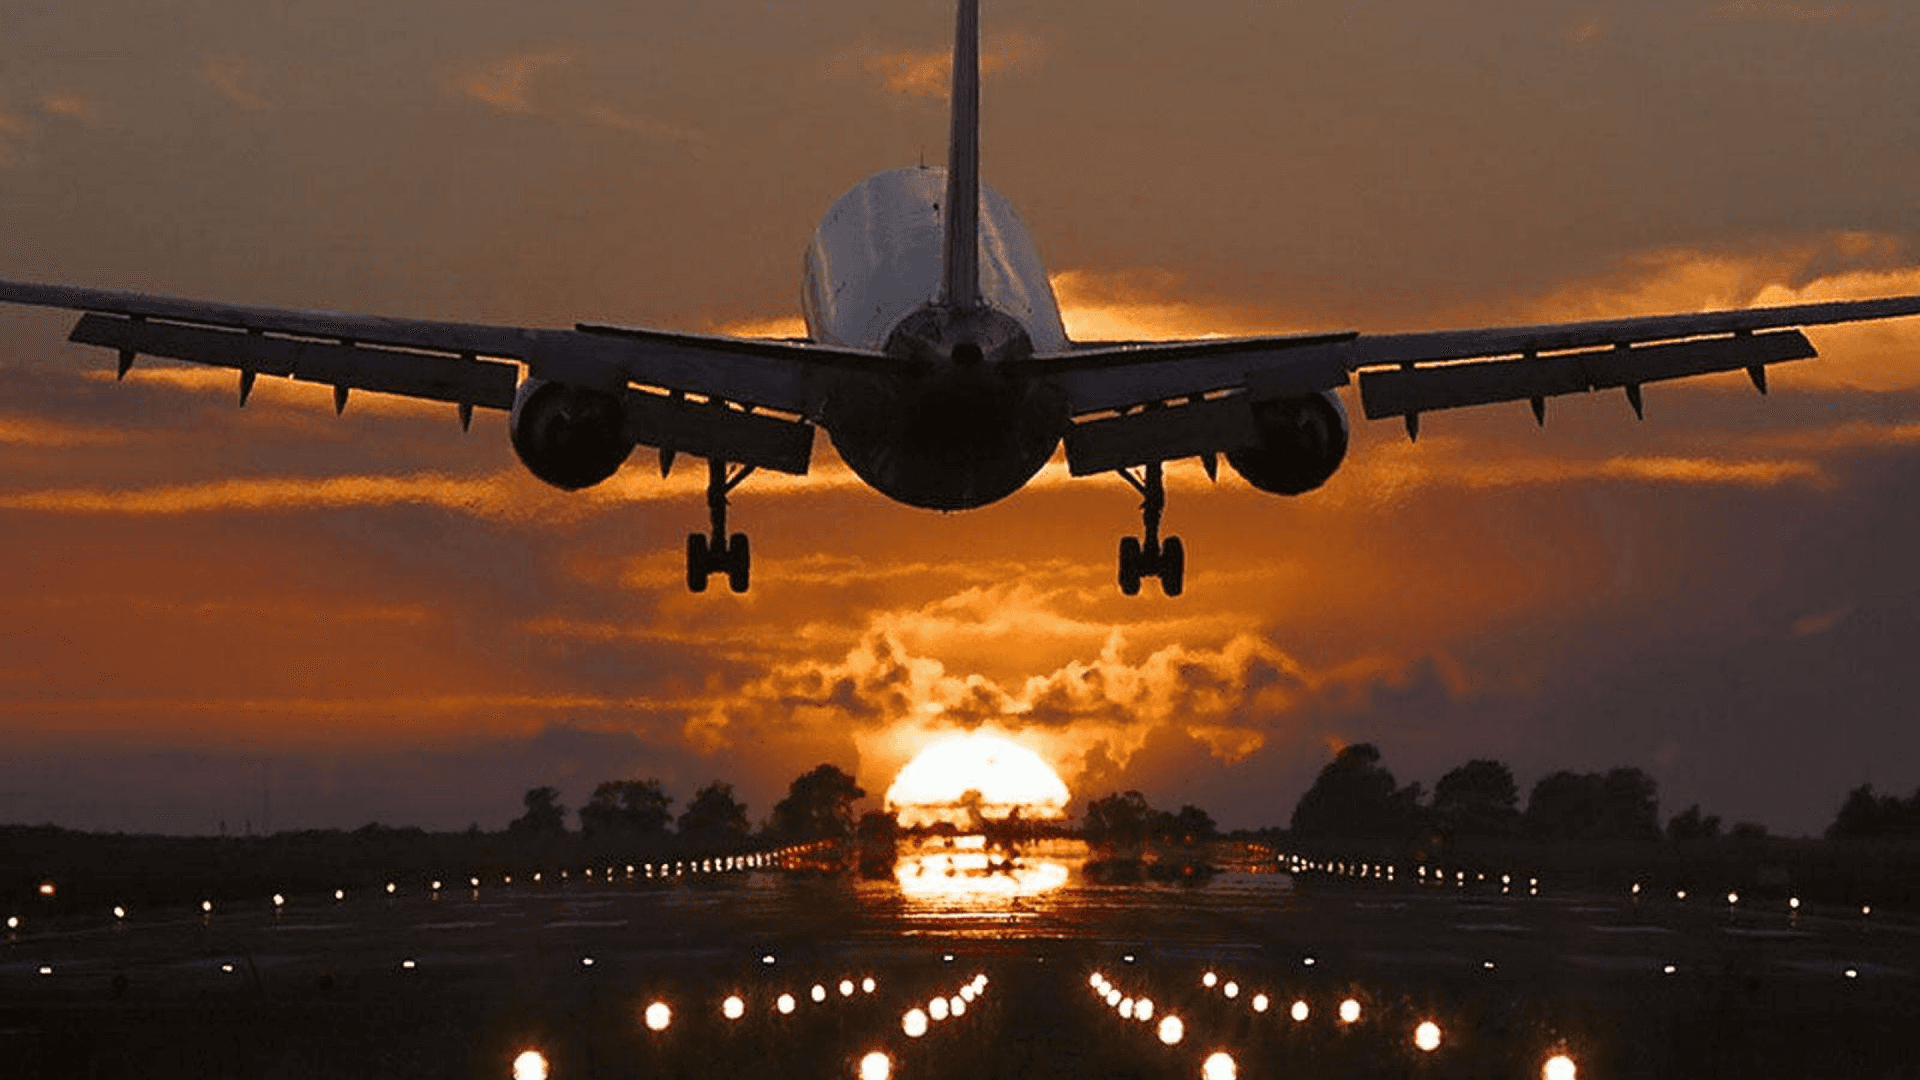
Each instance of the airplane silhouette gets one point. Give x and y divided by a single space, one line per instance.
937 363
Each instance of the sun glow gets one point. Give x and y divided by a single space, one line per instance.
965 779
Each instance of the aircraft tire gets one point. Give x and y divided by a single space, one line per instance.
696 562
1173 566
739 558
1130 560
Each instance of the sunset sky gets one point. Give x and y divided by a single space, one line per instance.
380 618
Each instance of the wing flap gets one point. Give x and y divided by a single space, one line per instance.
459 380
714 430
1411 391
1161 434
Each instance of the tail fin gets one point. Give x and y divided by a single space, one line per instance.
961 282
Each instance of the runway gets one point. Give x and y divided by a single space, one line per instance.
1255 967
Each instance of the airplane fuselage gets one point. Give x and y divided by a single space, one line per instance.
956 428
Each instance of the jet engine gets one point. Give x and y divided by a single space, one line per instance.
1300 443
570 436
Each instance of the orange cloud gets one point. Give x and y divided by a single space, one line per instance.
230 79
506 85
928 73
53 434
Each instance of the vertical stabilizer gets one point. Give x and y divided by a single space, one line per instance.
960 282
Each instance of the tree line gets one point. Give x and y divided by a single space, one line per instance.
818 806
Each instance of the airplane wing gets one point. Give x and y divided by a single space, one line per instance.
471 365
1142 402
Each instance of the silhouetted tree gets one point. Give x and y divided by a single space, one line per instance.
1355 797
1120 818
1621 805
713 814
1193 825
818 806
1690 824
1866 816
1477 799
626 808
1747 832
545 816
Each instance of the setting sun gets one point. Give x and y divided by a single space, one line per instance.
975 776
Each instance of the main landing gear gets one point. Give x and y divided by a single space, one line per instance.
1151 556
719 553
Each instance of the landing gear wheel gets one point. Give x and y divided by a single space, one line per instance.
697 560
739 559
1173 566
1130 565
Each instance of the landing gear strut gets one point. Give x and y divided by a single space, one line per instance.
720 553
1151 557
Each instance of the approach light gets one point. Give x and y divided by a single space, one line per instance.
1668 970
767 959
1793 902
876 1066
1209 980
474 882
1143 1010
390 890
1300 1012
1559 1067
866 985
1219 1066
1094 980
1128 958
119 912
279 901
13 922
784 1004
1259 1003
937 1008
1680 894
227 968
1853 973
436 885
1349 1011
1733 898
914 1023
846 987
733 1008
1636 888
206 906
46 888
946 958
969 992
408 964
1426 1037
659 1016
1172 1030
46 969
1113 996
818 993
586 961
1308 961
530 1065
956 1006
1866 909
1232 990
1126 1008
1486 965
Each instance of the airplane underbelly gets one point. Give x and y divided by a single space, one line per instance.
876 258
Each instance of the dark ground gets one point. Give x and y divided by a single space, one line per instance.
320 990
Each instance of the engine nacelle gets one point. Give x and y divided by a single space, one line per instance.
1302 442
569 436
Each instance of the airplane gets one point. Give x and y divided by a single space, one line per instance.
937 363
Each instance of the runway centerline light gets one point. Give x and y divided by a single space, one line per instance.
1793 902
914 1023
876 1066
767 959
1172 1030
937 1008
339 894
1259 1003
733 1008
119 912
1113 996
1094 980
390 890
1426 1037
46 969
1209 980
818 993
279 901
1668 970
408 964
866 985
784 1004
1232 990
1219 1066
1349 1011
46 888
846 987
1143 1010
1126 1008
1853 973
659 1016
1733 898
13 922
206 906
1308 961
586 961
1559 1067
956 1006
530 1065
1300 1012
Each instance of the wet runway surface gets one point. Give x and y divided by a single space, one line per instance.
464 982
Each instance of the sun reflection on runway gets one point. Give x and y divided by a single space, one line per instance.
969 873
